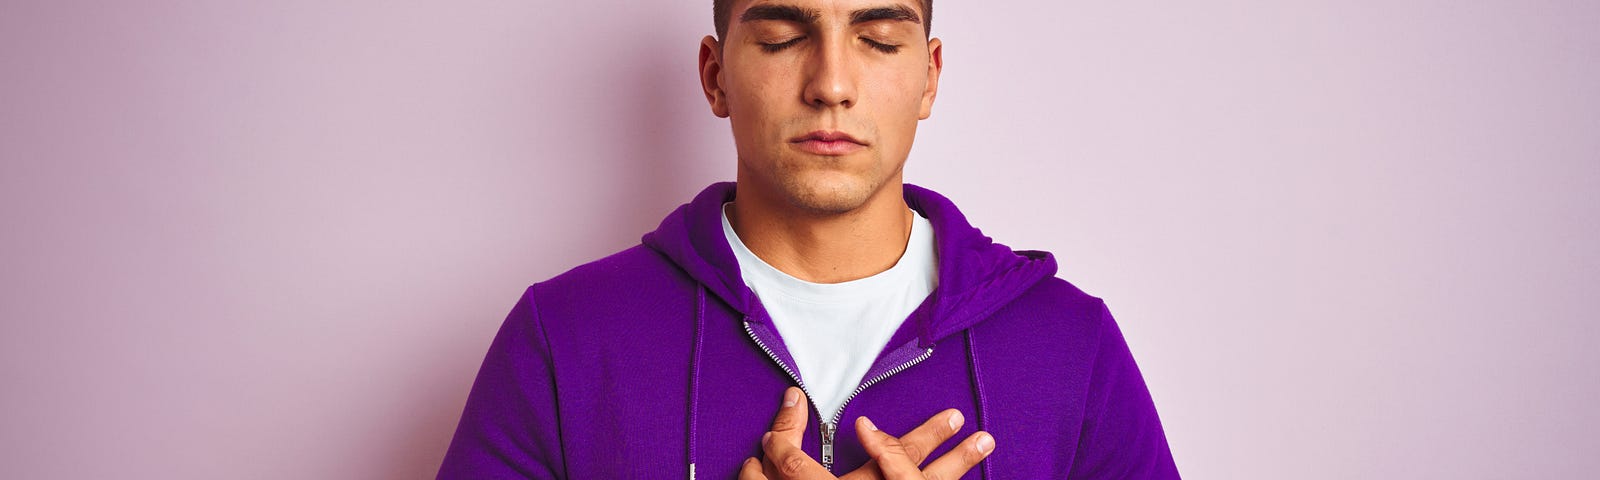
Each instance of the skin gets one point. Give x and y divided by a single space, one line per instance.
892 458
822 218
837 214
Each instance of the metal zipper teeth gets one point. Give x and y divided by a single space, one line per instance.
829 435
827 438
775 359
835 421
925 354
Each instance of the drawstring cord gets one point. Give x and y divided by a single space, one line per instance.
977 388
694 372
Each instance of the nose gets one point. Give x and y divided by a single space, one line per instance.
831 81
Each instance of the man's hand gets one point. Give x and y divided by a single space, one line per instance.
892 458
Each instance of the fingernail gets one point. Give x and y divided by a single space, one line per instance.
766 437
955 420
985 443
790 397
869 424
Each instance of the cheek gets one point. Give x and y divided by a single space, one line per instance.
747 92
903 87
758 85
898 97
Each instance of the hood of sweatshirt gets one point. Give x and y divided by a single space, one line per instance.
976 275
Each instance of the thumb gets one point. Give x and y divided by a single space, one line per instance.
789 424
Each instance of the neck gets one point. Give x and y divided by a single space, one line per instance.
825 247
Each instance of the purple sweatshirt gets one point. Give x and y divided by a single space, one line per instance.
658 362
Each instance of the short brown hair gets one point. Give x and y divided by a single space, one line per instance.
722 9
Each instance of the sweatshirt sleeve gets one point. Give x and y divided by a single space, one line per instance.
1122 436
509 429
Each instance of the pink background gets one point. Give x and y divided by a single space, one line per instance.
268 240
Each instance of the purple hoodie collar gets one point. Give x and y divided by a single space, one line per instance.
976 275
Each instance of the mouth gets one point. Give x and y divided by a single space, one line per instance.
828 142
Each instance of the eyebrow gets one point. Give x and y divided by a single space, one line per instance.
787 13
791 13
900 13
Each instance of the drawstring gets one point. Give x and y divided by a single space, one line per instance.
694 372
977 388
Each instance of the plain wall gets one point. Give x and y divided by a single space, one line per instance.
263 240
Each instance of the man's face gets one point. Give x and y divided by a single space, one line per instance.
823 95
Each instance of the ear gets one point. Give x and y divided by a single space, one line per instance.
711 75
935 66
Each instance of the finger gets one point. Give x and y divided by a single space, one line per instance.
868 471
790 422
767 468
963 457
751 470
788 461
931 434
887 450
918 444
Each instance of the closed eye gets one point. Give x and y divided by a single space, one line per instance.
880 46
775 47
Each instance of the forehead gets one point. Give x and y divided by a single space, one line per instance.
826 7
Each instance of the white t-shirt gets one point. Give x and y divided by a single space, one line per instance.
834 331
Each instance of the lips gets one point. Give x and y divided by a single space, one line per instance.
829 143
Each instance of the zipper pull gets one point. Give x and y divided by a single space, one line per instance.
828 429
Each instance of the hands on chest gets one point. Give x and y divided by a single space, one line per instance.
893 458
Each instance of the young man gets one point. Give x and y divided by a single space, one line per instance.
756 331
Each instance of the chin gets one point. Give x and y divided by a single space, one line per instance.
829 192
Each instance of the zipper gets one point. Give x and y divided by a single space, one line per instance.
775 359
831 427
828 429
924 356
